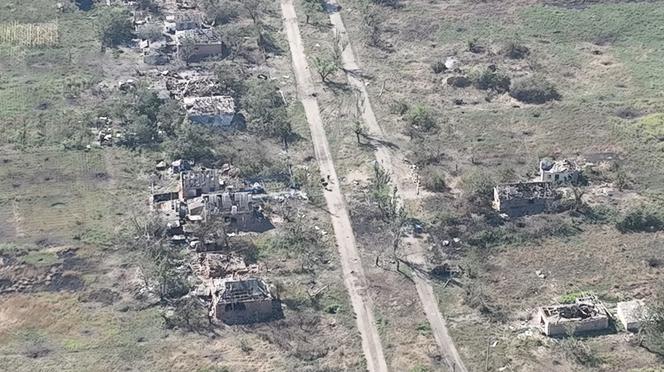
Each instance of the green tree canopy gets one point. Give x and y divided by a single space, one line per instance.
114 27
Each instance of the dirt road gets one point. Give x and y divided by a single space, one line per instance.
407 188
350 259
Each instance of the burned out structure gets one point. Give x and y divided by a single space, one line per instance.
241 301
586 314
559 171
238 210
525 198
193 196
199 182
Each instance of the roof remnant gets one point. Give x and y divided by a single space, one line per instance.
215 105
199 36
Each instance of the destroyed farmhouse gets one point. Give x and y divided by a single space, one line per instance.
243 301
188 196
585 315
196 44
216 111
525 198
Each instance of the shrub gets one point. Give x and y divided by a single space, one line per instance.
492 80
570 298
421 118
477 184
641 220
220 11
438 67
514 50
459 81
399 107
266 110
149 31
579 352
149 5
533 89
84 5
115 27
433 179
230 79
652 329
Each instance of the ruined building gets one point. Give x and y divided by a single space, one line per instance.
197 44
181 22
238 210
525 198
559 171
584 315
242 301
194 184
217 111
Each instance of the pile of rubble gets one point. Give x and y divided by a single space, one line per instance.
106 132
192 84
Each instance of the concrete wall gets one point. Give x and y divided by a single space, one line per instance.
252 221
630 314
202 51
522 207
559 177
559 327
244 312
221 120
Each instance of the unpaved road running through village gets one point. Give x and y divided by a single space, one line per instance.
351 264
406 189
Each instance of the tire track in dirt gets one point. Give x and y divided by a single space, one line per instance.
351 264
393 162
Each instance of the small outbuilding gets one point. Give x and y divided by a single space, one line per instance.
631 314
559 171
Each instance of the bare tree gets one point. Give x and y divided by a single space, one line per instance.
359 130
186 49
579 205
255 9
